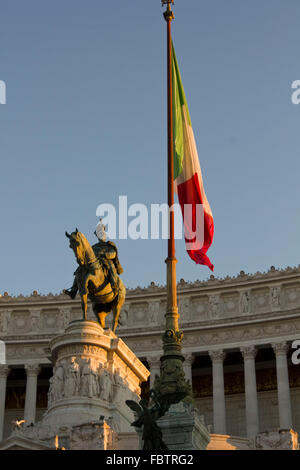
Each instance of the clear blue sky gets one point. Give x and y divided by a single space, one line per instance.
85 122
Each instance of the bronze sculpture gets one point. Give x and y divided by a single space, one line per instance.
146 418
96 279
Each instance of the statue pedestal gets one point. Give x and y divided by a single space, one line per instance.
94 373
184 428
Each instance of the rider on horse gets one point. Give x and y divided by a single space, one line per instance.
107 254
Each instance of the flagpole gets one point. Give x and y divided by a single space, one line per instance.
169 16
172 309
171 386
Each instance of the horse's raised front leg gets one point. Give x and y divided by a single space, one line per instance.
84 298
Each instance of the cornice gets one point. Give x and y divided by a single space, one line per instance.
154 290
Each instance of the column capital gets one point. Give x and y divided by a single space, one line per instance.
32 370
280 348
217 356
4 371
248 352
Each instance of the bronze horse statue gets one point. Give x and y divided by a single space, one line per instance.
93 283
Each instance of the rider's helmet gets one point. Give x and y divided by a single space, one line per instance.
100 231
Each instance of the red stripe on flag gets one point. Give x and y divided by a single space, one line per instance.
189 193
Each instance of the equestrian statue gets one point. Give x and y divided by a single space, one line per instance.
97 277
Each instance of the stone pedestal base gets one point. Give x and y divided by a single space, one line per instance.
183 428
94 374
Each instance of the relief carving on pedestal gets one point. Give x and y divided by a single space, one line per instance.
82 377
119 388
105 383
89 383
72 379
93 436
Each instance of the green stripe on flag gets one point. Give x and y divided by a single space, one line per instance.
179 100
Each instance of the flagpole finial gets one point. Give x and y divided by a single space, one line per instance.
168 14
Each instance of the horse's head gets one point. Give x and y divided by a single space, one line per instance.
79 245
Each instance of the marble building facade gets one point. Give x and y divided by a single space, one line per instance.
238 335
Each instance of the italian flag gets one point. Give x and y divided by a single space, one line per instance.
188 177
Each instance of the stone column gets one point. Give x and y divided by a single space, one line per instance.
154 364
187 366
249 353
283 387
4 372
32 371
217 358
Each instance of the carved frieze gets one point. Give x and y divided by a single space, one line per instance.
23 352
79 377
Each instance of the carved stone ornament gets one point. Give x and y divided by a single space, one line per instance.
280 348
245 302
249 352
283 439
217 356
4 371
172 336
